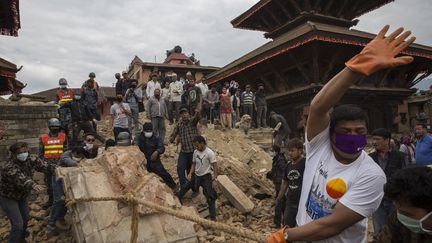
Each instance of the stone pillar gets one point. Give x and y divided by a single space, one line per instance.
23 123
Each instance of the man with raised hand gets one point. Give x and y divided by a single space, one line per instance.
342 185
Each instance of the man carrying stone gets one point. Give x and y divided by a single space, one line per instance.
281 130
342 185
152 147
157 112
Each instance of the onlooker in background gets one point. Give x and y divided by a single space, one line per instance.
157 112
176 91
51 147
248 102
118 84
187 130
261 106
390 161
120 113
189 78
202 85
192 97
210 100
281 132
152 85
64 95
408 148
236 102
292 180
89 95
226 109
233 87
16 184
410 190
200 175
423 153
165 92
152 147
125 82
277 175
56 220
90 148
133 96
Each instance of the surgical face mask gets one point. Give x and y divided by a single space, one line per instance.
55 130
77 97
63 86
89 145
148 134
22 156
350 144
76 159
414 225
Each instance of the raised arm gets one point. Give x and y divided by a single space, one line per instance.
378 54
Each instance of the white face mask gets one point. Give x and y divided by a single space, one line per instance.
89 145
76 159
148 134
63 86
414 225
22 156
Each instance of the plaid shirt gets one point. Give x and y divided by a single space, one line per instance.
187 131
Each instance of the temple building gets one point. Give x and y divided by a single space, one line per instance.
310 42
8 82
176 61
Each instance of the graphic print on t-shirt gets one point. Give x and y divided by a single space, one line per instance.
293 178
321 201
192 95
198 162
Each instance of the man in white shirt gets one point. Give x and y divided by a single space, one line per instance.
176 91
152 85
202 85
342 185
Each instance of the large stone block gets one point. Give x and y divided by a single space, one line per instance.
235 195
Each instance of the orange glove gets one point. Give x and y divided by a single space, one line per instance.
278 236
381 51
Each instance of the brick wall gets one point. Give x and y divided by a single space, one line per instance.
23 123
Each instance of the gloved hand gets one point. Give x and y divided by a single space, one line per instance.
381 51
278 236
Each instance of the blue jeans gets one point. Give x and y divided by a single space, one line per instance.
18 215
59 209
381 215
184 165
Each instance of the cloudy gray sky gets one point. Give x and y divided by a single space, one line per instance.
69 39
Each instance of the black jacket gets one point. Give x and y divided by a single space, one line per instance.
395 161
149 145
79 111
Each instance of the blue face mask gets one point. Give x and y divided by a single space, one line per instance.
414 225
77 97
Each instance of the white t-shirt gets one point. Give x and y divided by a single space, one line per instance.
119 114
151 86
176 91
203 161
358 186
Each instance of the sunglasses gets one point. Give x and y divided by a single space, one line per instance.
90 140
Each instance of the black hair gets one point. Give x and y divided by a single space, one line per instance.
276 148
200 139
14 147
110 143
78 150
89 134
347 113
295 143
412 185
382 132
422 124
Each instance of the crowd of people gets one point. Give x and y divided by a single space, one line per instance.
326 186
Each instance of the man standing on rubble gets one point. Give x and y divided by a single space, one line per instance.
187 130
261 106
192 97
63 96
132 97
120 113
125 83
157 113
81 119
118 85
152 85
90 97
51 147
248 102
176 91
281 130
342 185
152 147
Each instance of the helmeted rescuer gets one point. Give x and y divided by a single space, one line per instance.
123 139
52 146
64 95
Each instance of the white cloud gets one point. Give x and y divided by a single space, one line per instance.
69 39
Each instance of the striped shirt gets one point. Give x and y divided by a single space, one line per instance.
248 98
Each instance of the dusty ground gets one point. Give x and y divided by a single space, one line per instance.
228 144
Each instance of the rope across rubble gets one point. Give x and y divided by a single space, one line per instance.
135 202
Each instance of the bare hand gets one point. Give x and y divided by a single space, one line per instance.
154 155
39 188
215 184
189 177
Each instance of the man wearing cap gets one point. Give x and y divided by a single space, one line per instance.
187 130
152 85
119 116
152 147
176 91
133 96
157 112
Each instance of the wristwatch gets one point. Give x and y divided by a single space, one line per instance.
286 235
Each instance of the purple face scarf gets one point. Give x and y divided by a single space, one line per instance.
350 144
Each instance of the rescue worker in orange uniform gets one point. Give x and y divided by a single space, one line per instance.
51 147
64 95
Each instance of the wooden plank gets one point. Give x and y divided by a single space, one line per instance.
235 195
